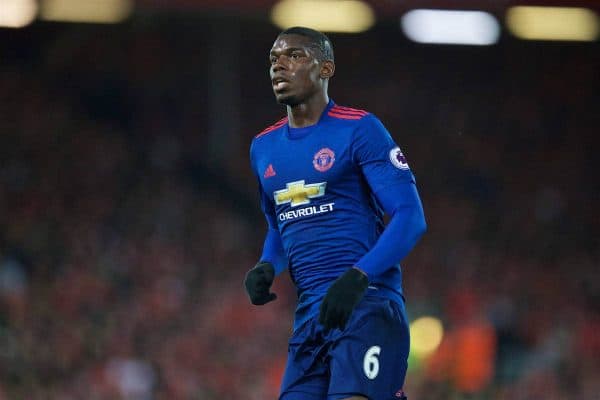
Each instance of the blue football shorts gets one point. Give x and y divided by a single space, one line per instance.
368 358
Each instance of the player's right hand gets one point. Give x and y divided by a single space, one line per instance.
258 283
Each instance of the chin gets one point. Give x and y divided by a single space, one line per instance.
285 99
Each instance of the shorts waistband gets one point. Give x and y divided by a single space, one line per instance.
309 303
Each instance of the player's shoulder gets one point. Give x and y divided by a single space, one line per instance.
348 114
361 122
272 128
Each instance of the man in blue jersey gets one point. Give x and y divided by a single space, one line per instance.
326 175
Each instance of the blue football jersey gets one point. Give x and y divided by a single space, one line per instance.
322 185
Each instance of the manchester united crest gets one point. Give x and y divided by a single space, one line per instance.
324 159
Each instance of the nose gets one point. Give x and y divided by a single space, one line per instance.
279 64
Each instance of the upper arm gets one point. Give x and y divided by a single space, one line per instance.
401 195
381 162
266 204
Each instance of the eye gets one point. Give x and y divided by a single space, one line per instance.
273 59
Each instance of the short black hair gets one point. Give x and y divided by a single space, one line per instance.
318 40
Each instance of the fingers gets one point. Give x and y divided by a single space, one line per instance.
263 299
332 317
338 320
342 322
258 283
323 320
270 298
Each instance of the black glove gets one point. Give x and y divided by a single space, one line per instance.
258 282
341 298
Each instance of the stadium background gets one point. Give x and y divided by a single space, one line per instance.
129 215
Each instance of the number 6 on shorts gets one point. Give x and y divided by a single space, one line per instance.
371 362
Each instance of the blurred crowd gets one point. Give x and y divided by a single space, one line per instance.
124 239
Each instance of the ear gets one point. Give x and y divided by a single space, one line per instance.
327 69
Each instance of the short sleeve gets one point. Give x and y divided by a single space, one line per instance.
380 159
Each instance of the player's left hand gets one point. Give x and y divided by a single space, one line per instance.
341 298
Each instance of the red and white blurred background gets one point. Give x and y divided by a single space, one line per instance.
128 213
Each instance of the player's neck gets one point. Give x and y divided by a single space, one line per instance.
307 113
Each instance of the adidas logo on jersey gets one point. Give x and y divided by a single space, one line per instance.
269 172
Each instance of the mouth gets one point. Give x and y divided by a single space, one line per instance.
280 83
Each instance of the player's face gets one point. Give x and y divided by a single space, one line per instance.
295 71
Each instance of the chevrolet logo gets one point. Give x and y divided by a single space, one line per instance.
298 193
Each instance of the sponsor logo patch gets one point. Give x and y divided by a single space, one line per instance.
306 211
299 193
